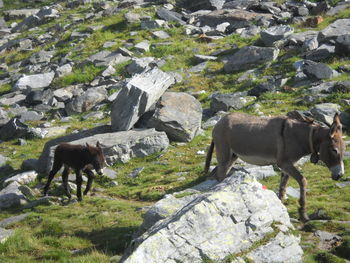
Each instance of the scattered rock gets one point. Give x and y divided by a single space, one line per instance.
11 196
275 33
318 70
136 172
342 44
250 57
226 102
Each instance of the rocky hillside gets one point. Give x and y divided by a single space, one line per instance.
149 79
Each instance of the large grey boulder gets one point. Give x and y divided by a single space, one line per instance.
139 94
275 33
179 115
334 30
11 196
250 57
86 101
117 146
203 4
227 219
32 82
237 18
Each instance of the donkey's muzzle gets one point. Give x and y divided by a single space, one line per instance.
337 171
100 172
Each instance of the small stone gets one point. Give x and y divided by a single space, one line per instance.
136 172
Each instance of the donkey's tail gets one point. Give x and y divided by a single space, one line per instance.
209 155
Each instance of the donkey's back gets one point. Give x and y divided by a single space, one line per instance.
75 156
253 139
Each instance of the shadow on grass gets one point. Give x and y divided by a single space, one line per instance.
111 240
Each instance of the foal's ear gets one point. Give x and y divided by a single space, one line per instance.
336 125
98 144
87 145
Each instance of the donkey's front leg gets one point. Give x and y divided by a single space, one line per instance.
292 171
91 176
283 184
79 182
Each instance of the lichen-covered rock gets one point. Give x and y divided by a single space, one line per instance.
225 220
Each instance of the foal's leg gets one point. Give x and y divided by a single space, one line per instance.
292 171
91 176
55 168
283 183
65 175
79 182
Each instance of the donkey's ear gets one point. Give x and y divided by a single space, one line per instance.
87 145
336 125
98 144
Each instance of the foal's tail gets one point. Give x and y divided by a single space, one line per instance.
209 155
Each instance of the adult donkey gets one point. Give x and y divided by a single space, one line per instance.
281 141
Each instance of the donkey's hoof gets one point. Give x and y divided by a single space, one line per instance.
303 216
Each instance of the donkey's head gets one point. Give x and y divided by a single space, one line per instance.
98 159
332 149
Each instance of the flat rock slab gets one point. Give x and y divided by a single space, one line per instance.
250 57
236 17
227 219
179 115
13 219
22 178
136 98
106 58
37 81
117 146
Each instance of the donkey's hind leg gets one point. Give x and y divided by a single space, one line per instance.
91 176
283 184
225 158
65 175
55 168
292 171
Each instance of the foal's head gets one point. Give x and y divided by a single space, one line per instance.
332 149
98 159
